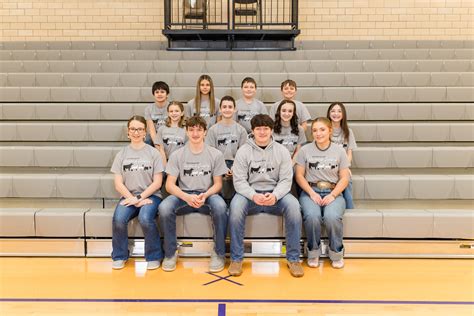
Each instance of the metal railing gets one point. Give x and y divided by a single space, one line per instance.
231 14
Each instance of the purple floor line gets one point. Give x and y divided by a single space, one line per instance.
93 300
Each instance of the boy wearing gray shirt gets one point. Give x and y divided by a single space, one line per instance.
198 168
262 179
156 113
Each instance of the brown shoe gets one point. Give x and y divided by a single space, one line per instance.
235 268
296 269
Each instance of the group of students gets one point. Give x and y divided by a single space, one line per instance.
213 151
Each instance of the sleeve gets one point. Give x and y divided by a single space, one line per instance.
263 108
304 113
352 142
188 111
273 110
240 174
220 168
300 158
243 136
157 162
343 160
301 136
285 178
211 137
117 164
147 113
159 137
172 167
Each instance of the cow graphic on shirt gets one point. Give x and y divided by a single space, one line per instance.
178 141
196 170
226 141
261 169
323 163
245 116
138 165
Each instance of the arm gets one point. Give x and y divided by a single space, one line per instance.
304 185
162 152
240 175
175 190
349 155
150 126
285 176
340 186
214 189
304 126
295 153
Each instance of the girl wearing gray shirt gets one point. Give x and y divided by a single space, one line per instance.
138 175
287 131
343 136
204 103
322 171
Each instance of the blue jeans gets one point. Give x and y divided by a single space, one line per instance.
147 218
288 207
173 206
331 215
347 194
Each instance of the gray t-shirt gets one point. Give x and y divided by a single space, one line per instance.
171 138
226 138
156 114
301 111
290 140
195 171
206 114
245 112
137 167
338 138
322 165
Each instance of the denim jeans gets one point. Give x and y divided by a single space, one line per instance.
173 206
147 218
347 194
288 207
331 215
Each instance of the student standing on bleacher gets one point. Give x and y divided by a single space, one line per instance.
155 113
247 106
138 175
204 104
172 135
227 136
198 168
288 91
342 135
263 174
322 172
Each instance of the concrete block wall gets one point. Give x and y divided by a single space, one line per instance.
121 20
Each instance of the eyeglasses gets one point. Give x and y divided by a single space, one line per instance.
134 130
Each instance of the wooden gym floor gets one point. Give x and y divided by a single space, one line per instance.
88 286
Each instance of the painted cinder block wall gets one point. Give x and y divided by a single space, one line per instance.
49 20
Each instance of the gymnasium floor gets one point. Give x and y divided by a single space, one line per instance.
88 286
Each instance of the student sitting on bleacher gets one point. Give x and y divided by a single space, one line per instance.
262 179
288 90
247 106
322 172
198 168
155 113
138 175
204 104
172 135
227 136
342 135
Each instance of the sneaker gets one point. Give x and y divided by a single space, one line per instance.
153 265
118 264
313 262
217 263
235 268
296 269
338 264
169 264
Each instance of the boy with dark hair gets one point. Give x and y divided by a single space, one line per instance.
156 113
263 174
198 169
247 106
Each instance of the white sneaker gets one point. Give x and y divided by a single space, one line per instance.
217 263
153 265
313 262
169 264
338 264
118 264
